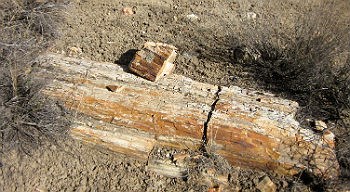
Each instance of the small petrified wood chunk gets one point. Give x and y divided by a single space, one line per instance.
154 60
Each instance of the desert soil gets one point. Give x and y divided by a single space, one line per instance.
205 33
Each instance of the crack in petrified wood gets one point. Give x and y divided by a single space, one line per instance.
206 123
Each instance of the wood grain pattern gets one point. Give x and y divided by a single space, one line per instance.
154 61
130 115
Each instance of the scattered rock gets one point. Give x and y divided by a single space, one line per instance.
317 125
215 189
251 16
297 187
179 158
165 162
320 125
192 17
75 51
222 178
284 184
40 190
167 168
40 1
266 185
328 137
127 11
213 178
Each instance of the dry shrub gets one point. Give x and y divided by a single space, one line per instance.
307 61
34 16
343 143
27 28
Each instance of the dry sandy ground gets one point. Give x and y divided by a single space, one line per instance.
97 29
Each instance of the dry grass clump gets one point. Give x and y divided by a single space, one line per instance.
309 62
27 28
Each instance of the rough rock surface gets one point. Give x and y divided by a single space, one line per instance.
248 128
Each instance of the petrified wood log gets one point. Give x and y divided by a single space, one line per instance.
130 115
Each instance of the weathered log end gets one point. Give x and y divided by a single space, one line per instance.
253 129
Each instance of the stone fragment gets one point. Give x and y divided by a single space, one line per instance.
154 60
320 125
192 17
179 158
215 189
167 168
213 178
251 16
266 185
328 137
39 189
127 11
74 51
40 1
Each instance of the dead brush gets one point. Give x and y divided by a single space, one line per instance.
41 17
307 62
27 28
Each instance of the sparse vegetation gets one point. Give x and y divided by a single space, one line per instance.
27 28
309 63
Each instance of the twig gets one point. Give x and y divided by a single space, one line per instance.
9 45
29 123
24 44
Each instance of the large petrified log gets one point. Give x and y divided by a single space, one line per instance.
130 115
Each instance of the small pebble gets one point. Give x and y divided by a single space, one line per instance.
320 125
251 15
75 51
192 17
328 138
127 11
266 185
